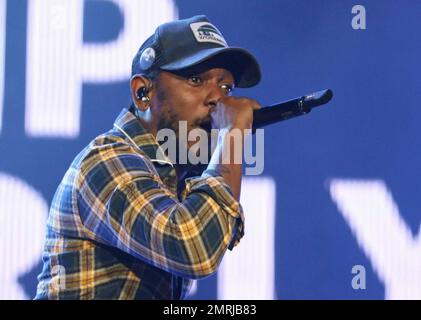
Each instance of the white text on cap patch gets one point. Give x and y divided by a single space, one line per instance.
207 32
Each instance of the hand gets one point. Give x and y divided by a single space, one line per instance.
231 113
234 112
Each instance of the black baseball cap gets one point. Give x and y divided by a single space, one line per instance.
188 45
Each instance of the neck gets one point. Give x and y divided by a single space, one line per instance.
151 125
147 120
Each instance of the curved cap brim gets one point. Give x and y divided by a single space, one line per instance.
239 62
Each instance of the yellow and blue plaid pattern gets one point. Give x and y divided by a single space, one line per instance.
118 229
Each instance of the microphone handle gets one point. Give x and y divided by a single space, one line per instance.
289 109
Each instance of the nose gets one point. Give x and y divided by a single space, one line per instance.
214 96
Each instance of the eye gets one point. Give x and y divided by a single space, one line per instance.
227 88
195 80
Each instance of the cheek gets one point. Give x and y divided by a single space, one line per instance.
187 106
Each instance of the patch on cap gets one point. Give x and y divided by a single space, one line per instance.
147 58
207 32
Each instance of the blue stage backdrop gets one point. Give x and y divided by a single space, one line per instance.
335 213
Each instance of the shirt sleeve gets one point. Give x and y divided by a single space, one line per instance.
134 211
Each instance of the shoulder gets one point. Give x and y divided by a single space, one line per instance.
110 157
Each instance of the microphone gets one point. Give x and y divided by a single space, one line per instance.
289 109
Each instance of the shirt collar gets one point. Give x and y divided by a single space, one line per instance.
128 125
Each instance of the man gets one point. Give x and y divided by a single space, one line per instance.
120 226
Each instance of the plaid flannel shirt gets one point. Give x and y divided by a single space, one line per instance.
117 229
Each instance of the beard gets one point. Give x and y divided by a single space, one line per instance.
171 120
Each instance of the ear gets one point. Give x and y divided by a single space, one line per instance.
137 82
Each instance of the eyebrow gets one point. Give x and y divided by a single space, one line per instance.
224 75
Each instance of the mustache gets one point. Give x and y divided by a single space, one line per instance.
205 123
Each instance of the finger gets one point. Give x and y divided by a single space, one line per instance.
256 105
253 103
